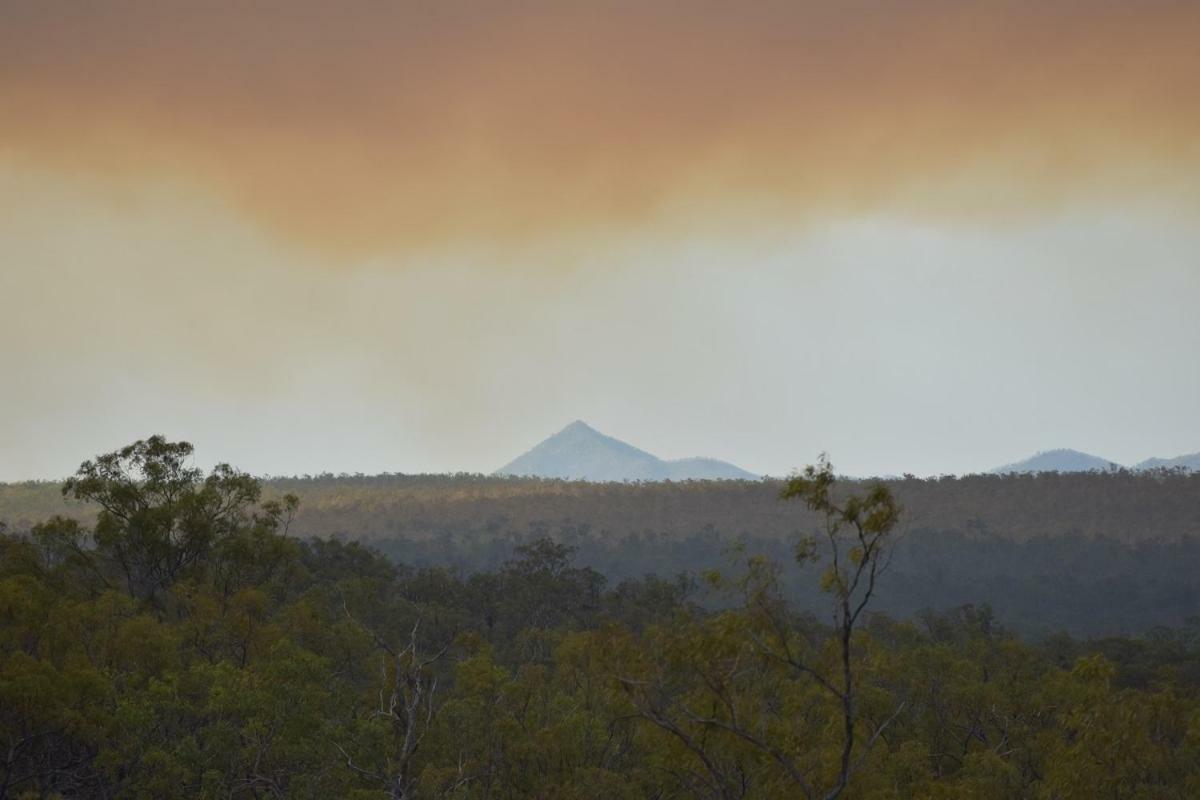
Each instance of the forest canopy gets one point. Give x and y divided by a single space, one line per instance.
186 640
1047 552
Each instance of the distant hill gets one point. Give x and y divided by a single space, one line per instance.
1075 461
1189 462
1059 461
581 452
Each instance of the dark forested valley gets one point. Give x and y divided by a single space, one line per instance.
171 633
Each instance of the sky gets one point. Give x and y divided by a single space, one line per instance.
416 236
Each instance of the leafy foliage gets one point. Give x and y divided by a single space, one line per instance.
189 645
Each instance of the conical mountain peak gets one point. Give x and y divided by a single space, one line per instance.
578 427
580 452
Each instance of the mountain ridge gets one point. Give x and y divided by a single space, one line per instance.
1190 461
580 452
1067 460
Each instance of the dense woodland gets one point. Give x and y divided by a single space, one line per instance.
191 639
1047 552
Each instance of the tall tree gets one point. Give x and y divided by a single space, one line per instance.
161 518
858 533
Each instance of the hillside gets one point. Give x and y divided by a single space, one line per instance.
1189 462
1126 506
1062 460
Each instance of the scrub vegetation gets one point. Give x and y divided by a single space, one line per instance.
186 642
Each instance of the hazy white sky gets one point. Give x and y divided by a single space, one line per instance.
928 237
894 344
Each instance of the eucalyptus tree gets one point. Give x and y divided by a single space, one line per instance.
162 519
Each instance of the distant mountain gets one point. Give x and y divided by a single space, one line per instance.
580 452
1059 461
1075 461
683 469
1189 462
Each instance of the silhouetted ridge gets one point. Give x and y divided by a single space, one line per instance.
581 452
1189 462
1062 460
